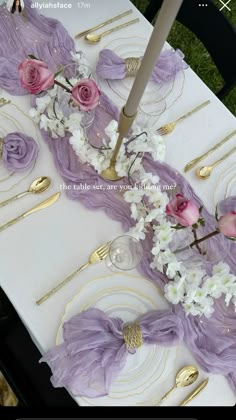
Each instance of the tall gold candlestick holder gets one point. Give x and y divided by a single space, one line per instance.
125 123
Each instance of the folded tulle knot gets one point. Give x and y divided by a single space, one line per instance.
133 337
111 66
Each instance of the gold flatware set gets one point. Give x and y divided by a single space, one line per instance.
38 186
93 38
185 377
205 171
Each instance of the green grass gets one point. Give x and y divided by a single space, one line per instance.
196 54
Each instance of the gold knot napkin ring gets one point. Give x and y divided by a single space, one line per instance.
132 66
1 147
132 334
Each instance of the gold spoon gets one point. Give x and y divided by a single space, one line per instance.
205 171
38 186
93 38
186 376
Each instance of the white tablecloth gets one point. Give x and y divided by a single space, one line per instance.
39 251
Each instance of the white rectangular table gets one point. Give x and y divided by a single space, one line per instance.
43 249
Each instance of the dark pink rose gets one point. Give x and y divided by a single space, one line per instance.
86 94
35 76
227 224
183 210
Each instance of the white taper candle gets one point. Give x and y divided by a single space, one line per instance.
159 35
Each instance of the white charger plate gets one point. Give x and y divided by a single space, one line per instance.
147 371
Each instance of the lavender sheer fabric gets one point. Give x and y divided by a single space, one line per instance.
170 62
19 151
227 205
94 351
212 341
42 37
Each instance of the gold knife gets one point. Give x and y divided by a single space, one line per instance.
46 203
194 393
193 162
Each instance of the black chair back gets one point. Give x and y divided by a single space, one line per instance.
210 25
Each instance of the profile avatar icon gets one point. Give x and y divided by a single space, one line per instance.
15 5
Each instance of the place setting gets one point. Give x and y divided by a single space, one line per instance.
170 277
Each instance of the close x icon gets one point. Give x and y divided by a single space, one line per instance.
225 5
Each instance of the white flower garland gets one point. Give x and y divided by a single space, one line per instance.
50 117
189 286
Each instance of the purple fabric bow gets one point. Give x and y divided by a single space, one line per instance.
94 351
169 63
18 151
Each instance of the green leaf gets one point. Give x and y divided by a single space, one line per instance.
33 57
58 72
231 238
178 227
195 225
69 83
201 221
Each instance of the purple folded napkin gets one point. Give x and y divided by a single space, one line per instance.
110 66
18 151
95 348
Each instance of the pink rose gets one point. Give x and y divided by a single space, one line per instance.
86 94
183 210
35 76
227 224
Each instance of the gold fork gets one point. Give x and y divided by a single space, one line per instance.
168 128
98 255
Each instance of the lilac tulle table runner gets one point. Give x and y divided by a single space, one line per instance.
211 341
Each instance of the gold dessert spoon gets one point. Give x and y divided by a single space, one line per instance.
186 376
205 171
93 38
38 186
